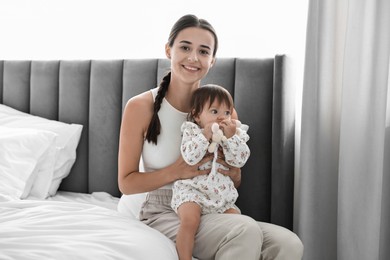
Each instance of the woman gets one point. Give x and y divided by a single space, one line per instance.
151 128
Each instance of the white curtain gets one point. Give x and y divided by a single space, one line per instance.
342 199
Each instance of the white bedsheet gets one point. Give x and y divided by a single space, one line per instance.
73 229
102 199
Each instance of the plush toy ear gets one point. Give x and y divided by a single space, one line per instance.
214 127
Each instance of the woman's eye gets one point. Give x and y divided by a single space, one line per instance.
204 52
186 48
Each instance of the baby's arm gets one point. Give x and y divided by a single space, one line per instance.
194 144
236 150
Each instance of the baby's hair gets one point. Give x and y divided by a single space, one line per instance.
184 22
208 93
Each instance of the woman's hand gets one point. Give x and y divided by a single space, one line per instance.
186 171
233 172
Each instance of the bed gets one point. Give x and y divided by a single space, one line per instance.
59 135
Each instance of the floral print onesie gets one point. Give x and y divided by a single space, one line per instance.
215 192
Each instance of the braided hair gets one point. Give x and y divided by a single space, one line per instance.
184 22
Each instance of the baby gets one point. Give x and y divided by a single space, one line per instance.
209 120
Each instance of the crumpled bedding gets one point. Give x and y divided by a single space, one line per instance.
32 229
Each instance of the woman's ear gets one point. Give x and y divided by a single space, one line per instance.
213 62
168 51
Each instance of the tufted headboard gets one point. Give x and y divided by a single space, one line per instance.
93 93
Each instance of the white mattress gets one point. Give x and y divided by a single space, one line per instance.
77 226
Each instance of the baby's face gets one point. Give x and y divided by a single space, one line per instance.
215 113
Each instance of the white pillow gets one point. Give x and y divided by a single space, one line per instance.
68 137
26 162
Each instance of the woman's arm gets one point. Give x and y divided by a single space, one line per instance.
233 172
135 121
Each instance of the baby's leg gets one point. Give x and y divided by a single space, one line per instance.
231 211
189 214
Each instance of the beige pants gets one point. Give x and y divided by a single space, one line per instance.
224 236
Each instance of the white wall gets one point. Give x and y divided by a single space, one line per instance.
109 29
120 29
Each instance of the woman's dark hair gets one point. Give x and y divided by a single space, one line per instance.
208 93
181 24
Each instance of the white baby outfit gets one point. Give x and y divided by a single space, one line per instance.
215 192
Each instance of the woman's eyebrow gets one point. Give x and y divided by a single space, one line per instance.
203 46
184 41
206 47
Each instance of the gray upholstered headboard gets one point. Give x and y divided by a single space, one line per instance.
94 92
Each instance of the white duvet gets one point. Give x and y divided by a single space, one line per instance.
74 230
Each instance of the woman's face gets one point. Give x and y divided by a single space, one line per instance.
191 54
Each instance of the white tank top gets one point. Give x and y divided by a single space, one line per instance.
167 150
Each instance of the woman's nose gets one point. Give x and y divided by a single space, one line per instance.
193 57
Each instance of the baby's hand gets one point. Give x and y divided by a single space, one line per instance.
228 127
207 132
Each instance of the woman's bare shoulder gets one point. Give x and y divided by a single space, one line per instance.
138 113
141 103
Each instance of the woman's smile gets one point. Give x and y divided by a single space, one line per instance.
191 68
